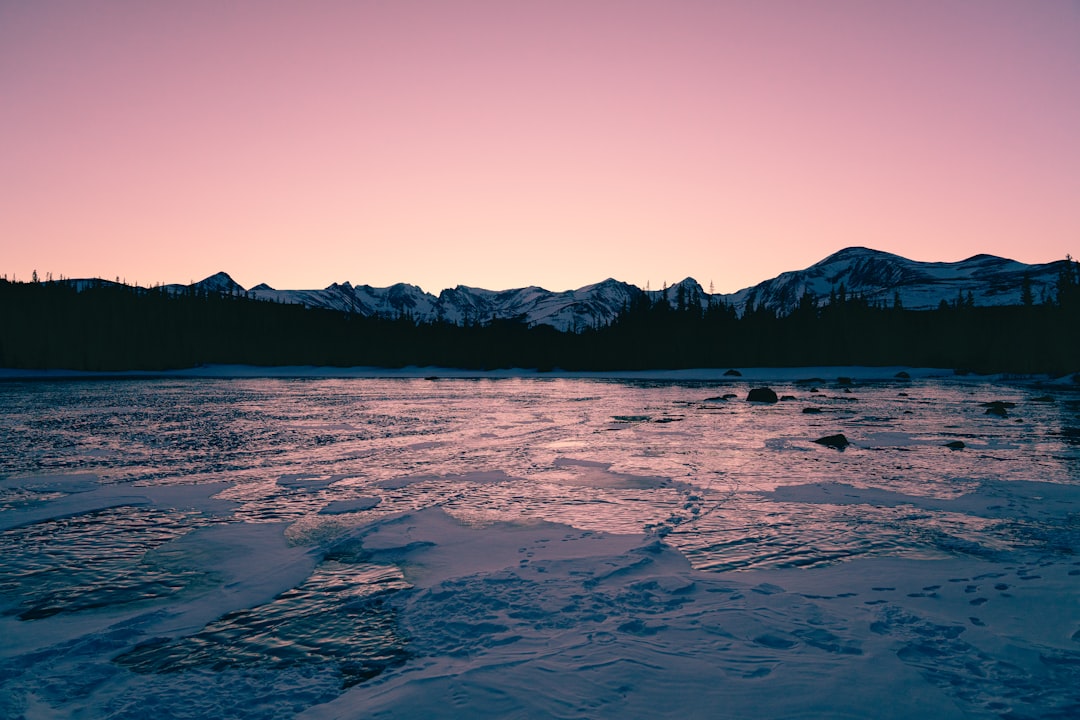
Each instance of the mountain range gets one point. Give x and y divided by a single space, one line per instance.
879 277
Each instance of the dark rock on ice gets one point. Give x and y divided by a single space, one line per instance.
1071 435
810 381
811 411
767 589
902 375
956 445
788 397
732 373
762 394
1043 398
340 507
775 642
837 441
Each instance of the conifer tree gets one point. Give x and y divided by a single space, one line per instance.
1027 297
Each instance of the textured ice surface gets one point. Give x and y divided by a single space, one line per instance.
538 547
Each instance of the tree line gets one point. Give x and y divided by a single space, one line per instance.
110 326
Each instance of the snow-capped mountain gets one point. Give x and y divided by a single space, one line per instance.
393 301
219 283
880 277
590 306
877 276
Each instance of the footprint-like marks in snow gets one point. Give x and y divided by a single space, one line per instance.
980 682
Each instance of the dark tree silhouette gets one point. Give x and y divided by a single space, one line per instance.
102 325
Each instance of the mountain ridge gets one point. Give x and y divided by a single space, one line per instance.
879 277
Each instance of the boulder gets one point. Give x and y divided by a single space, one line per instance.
956 445
837 441
762 394
811 411
998 407
787 397
732 373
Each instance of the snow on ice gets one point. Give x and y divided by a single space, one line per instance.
367 548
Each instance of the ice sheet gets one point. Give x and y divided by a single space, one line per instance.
538 547
552 622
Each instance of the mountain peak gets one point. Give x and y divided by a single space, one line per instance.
984 259
857 252
219 282
882 278
346 286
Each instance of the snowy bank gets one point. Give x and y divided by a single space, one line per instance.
864 373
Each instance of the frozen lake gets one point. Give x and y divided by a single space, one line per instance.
538 547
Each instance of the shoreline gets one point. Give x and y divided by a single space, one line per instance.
820 374
791 374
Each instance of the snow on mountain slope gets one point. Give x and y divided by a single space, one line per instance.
590 306
220 283
692 294
880 277
392 301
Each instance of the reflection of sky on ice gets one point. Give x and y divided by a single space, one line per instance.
130 519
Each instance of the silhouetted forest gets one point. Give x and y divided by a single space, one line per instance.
110 326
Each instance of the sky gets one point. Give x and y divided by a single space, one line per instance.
500 144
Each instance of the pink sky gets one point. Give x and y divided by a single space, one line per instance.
556 143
